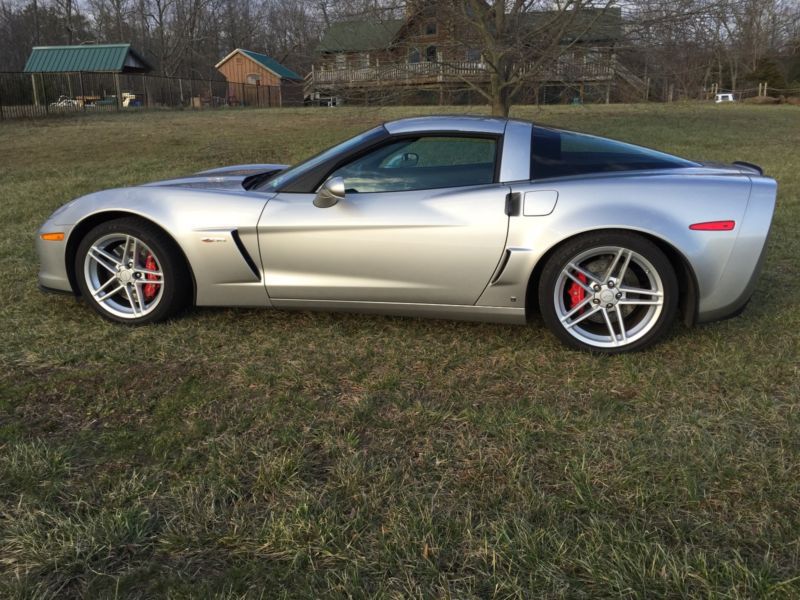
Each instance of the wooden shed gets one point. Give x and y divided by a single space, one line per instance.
256 79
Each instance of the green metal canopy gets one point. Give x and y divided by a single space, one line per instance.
109 58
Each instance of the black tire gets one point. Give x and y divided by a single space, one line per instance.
173 292
598 309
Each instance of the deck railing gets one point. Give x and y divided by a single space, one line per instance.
587 67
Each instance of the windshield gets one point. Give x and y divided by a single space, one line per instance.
276 183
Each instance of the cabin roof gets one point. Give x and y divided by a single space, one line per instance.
360 36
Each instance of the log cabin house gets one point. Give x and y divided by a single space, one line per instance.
426 54
256 79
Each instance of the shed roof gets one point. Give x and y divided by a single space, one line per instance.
359 36
112 58
265 61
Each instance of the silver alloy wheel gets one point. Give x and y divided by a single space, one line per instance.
608 296
117 275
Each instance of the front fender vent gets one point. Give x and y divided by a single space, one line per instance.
245 254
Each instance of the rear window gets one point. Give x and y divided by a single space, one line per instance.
556 153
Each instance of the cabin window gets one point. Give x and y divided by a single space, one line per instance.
430 28
430 54
253 79
363 59
414 56
473 55
341 60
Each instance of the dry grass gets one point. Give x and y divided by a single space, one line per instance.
248 453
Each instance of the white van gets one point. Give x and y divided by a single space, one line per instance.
723 98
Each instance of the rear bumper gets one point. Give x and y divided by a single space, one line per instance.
740 275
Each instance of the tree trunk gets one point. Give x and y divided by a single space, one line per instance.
499 108
501 104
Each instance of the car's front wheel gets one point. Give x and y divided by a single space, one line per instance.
608 292
130 271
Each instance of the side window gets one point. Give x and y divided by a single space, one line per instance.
556 153
473 55
422 163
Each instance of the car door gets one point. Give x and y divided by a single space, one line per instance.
422 221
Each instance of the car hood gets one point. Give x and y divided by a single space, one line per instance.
223 178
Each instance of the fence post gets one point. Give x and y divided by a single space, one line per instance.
44 94
119 91
1 103
241 94
191 94
36 92
83 94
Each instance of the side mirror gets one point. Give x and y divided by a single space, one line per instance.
330 193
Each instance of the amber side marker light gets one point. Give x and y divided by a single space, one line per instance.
53 237
714 226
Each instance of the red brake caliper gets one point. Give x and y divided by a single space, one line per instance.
150 289
577 294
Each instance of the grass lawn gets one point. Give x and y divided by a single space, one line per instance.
269 454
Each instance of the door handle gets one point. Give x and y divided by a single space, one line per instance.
513 204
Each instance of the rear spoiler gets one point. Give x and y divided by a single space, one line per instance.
747 165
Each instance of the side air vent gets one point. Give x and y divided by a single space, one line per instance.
245 254
502 267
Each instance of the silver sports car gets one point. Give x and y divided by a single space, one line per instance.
457 217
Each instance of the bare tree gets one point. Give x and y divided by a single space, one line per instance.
520 41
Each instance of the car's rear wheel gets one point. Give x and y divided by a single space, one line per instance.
130 271
609 292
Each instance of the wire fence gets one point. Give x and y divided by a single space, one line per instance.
30 95
755 92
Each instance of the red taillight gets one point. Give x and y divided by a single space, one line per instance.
714 226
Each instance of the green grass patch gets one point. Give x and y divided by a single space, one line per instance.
246 453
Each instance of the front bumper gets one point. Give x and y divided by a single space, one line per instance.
52 259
